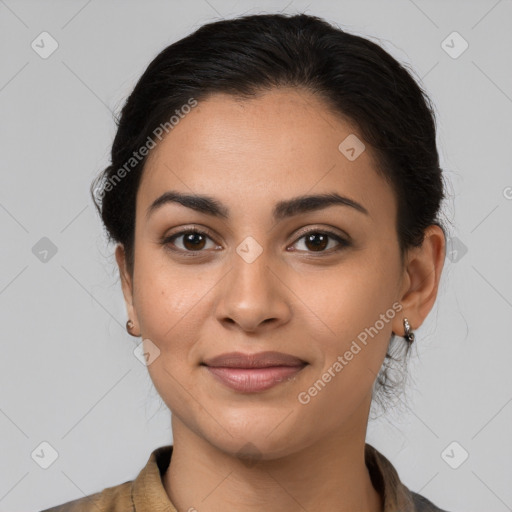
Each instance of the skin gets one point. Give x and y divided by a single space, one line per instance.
248 155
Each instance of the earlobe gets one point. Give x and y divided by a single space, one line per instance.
127 287
423 268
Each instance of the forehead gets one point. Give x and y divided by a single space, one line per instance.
257 151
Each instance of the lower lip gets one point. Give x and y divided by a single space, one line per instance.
254 379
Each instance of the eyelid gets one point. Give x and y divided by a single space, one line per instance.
336 232
195 228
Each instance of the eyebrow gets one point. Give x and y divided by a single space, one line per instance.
283 209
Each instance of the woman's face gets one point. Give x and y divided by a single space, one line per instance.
251 282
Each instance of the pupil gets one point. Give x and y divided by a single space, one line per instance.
192 239
320 244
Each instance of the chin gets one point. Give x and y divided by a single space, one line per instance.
250 451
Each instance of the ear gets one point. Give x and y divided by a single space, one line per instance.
127 285
418 293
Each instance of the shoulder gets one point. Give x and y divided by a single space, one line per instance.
422 504
386 480
112 499
124 497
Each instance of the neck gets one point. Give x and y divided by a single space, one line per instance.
330 474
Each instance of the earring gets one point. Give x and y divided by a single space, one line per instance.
129 326
408 335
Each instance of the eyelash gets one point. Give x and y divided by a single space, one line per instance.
343 243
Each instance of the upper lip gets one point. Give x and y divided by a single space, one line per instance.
258 360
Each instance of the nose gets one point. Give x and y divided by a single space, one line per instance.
252 297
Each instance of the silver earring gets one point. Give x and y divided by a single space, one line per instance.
409 335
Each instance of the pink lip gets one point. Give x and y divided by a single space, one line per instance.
253 372
257 360
254 379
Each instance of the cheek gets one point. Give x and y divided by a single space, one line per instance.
356 311
352 296
168 305
354 307
165 292
167 299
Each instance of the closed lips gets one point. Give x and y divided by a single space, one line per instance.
253 373
253 361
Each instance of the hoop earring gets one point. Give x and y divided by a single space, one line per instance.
408 335
129 326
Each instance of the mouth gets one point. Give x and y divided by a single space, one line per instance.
250 373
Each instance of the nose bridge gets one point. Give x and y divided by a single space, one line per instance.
252 278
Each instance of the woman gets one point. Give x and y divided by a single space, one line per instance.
274 194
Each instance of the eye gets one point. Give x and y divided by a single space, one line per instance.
193 240
318 240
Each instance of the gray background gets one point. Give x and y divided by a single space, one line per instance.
68 375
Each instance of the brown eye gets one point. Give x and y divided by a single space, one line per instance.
319 241
316 241
191 241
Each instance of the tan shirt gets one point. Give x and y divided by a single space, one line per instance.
147 493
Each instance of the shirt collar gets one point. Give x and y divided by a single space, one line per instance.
387 483
148 492
149 495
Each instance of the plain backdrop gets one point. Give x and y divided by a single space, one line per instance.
69 381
